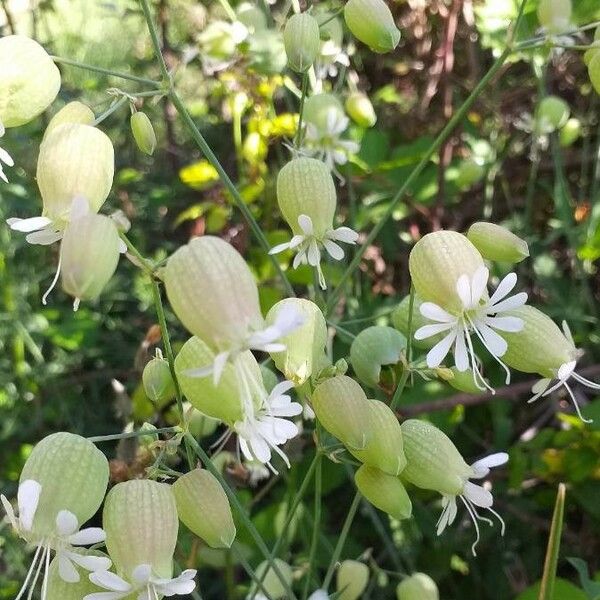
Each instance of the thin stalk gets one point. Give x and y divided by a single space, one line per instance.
399 389
316 525
244 518
239 555
155 41
143 263
298 138
131 434
74 63
406 373
227 8
551 562
342 540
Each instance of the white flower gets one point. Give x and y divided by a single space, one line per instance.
5 157
319 595
328 145
473 495
479 316
63 541
264 430
307 245
143 583
566 371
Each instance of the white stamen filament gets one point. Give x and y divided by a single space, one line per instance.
54 282
496 358
474 519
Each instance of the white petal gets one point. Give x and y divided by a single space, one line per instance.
428 331
66 569
436 313
122 247
91 563
477 495
79 208
110 581
479 284
343 234
453 509
461 357
509 304
104 596
314 254
6 158
260 449
306 225
142 574
495 344
44 237
218 366
288 319
463 289
443 522
184 584
488 462
87 537
539 387
281 388
299 259
319 595
66 523
280 248
10 513
199 371
437 354
28 497
245 449
510 324
566 370
290 409
335 251
29 225
296 241
504 288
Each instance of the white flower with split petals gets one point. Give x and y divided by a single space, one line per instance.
263 431
307 245
473 496
479 316
143 583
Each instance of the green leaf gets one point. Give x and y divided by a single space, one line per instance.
591 588
563 589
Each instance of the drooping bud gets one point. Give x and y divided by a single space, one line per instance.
73 112
251 16
418 586
203 507
400 319
555 15
371 22
351 580
72 474
540 347
89 254
360 109
157 380
75 161
302 42
433 462
305 187
143 132
213 292
373 348
497 243
384 491
304 353
552 113
140 520
437 261
569 132
318 107
271 583
29 80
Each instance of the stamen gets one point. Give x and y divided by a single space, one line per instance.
46 573
54 281
496 358
474 519
223 439
481 517
474 367
591 384
502 523
36 557
37 572
576 404
322 282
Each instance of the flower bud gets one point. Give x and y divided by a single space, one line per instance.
203 507
271 583
552 113
433 462
374 347
418 586
497 243
143 132
75 161
437 261
305 187
360 109
371 22
73 112
470 171
304 353
317 107
385 492
213 292
221 401
459 380
29 80
140 520
352 579
252 17
267 52
540 347
73 475
555 15
157 380
89 254
569 132
400 319
302 42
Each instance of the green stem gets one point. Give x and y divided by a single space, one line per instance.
298 138
237 505
316 525
237 552
131 434
143 263
112 109
551 562
74 63
342 540
411 307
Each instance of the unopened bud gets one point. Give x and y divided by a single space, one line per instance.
552 113
352 579
143 132
73 112
29 80
385 492
418 586
271 583
497 243
459 380
371 22
203 507
360 109
373 348
302 42
158 382
570 132
437 261
252 17
470 171
555 15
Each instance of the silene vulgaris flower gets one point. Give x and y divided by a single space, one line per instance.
5 157
307 245
480 316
